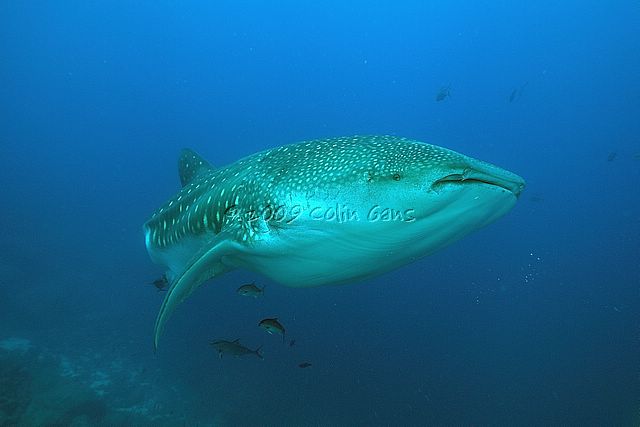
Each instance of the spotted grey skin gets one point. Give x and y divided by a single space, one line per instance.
321 212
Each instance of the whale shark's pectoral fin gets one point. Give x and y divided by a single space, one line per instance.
205 265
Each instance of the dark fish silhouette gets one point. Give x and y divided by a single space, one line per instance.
292 343
234 348
443 93
517 92
161 283
250 290
272 326
304 365
513 95
612 156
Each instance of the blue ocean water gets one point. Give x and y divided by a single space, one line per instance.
533 320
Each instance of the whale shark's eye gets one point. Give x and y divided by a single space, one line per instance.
396 177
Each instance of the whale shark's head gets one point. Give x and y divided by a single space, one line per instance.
375 204
447 194
461 189
458 195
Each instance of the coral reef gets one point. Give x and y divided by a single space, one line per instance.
39 386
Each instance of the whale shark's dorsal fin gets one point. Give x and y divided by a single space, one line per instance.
190 165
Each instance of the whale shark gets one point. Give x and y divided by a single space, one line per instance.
321 212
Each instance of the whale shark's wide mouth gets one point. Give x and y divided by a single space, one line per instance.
491 175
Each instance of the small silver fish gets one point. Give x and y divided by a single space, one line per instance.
250 290
273 326
234 348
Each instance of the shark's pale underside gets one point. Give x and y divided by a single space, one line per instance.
321 212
